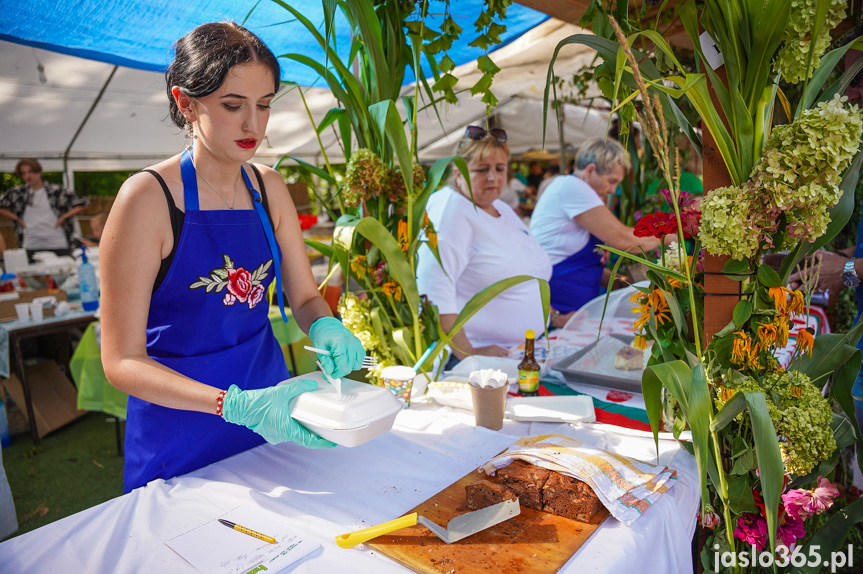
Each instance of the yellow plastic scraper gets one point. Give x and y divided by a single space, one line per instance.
459 527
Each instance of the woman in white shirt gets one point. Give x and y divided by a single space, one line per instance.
571 219
480 243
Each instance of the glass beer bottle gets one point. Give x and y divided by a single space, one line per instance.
528 368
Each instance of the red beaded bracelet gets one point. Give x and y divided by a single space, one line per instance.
220 401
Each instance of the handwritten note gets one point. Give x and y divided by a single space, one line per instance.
215 549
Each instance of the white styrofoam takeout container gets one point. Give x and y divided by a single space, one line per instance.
361 413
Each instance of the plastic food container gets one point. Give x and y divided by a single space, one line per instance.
361 413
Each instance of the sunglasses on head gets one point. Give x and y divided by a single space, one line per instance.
477 133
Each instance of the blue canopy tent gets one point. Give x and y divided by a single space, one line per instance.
139 33
81 85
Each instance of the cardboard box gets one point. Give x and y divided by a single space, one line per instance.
7 308
54 397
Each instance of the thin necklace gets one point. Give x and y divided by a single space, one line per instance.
230 205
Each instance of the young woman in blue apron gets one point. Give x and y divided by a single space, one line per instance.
187 256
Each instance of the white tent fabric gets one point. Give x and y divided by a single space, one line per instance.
40 111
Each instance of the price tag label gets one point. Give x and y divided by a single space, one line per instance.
711 51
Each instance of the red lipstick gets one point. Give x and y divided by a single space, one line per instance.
247 143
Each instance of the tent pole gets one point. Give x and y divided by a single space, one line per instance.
67 174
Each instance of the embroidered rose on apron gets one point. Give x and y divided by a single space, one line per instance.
238 283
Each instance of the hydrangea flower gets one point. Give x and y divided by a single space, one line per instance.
364 177
796 181
800 414
792 57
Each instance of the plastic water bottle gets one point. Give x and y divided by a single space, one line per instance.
5 438
87 282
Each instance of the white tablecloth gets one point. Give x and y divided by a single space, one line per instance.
324 493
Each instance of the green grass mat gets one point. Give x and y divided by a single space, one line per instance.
75 467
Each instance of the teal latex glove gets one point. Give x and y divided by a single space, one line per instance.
347 352
266 411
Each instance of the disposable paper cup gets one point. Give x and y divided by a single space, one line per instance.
399 380
36 310
23 310
489 405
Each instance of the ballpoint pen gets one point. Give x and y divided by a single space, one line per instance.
248 531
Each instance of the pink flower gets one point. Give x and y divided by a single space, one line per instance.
229 299
709 520
239 283
790 529
684 198
752 529
691 220
804 503
795 501
256 295
822 496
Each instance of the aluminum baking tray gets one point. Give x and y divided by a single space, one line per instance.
630 384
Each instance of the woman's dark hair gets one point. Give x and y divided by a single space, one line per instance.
204 57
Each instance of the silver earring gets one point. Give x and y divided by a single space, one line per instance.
190 135
267 139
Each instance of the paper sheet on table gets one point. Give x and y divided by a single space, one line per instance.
216 549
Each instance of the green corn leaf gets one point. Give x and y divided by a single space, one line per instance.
770 466
479 300
830 351
843 381
699 415
322 248
607 295
389 125
404 340
769 30
664 270
676 313
309 167
674 376
728 412
332 115
398 265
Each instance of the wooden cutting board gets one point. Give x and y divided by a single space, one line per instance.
531 543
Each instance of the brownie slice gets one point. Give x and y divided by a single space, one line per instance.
565 496
483 493
526 481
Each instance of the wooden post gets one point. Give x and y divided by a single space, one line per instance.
720 293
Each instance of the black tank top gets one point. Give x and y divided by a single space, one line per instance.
178 217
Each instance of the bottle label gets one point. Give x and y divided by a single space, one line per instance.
528 381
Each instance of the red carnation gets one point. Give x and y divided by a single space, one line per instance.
655 225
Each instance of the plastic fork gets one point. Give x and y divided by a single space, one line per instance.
368 362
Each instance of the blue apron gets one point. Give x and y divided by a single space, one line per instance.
857 389
575 280
209 321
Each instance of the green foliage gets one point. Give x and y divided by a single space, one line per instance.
383 195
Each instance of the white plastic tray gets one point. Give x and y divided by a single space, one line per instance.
563 409
361 413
